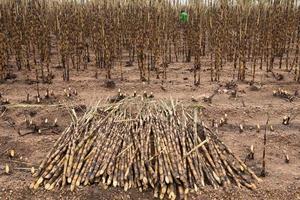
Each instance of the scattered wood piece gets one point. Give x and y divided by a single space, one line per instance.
287 158
7 169
250 155
286 120
12 153
257 128
151 95
241 128
251 152
193 99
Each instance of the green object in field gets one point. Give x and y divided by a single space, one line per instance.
184 17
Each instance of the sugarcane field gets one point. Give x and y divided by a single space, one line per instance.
150 99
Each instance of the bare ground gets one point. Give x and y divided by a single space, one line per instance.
248 108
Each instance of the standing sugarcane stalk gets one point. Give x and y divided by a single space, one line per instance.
264 34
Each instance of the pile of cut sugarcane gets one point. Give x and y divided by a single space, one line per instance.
142 143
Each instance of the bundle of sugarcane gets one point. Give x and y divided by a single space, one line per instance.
141 143
283 94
